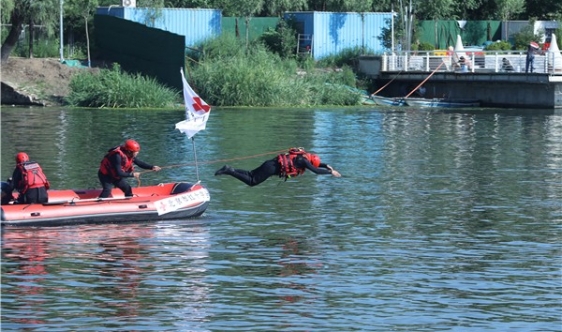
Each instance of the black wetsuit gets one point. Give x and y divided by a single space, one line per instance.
269 168
108 181
32 195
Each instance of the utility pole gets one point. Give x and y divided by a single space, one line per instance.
410 17
61 32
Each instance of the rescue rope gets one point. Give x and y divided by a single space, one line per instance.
433 72
221 160
384 86
211 162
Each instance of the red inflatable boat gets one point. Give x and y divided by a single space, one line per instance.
150 203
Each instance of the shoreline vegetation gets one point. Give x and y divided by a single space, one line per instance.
227 73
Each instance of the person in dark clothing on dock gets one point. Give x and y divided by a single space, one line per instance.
506 66
117 165
287 165
530 59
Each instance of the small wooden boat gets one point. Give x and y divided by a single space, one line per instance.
388 101
441 102
149 203
424 102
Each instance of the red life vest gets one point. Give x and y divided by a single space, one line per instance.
106 168
32 176
286 161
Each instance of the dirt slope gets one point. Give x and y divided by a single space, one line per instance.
45 78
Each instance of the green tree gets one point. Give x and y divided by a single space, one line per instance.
281 40
435 10
524 36
241 8
188 4
509 8
278 7
85 9
544 9
463 9
340 5
44 12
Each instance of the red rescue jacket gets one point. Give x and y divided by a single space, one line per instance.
106 168
32 176
286 161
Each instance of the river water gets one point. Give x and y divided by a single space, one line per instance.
441 221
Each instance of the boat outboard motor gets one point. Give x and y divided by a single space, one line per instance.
6 193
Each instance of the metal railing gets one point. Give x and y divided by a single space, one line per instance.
475 61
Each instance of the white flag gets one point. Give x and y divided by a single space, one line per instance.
196 111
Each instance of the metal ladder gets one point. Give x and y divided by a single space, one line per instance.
305 45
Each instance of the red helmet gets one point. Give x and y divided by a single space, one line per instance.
22 157
314 159
131 145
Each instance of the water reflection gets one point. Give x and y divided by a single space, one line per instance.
442 221
104 269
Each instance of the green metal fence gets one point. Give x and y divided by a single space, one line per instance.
257 26
140 49
442 34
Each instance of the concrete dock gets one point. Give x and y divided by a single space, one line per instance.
493 88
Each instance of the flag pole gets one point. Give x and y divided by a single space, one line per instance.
195 156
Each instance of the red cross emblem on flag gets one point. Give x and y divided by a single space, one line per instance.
200 105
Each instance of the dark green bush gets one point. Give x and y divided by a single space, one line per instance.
499 46
522 39
281 40
426 47
347 56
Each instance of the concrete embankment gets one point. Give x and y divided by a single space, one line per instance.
10 95
491 88
506 90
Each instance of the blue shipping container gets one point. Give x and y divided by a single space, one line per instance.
196 25
332 32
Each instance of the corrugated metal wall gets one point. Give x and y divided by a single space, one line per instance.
140 49
258 25
195 24
442 34
335 32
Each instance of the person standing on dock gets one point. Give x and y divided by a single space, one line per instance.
530 60
117 165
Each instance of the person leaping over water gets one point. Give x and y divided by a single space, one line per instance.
286 165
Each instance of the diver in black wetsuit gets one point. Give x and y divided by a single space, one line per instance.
287 165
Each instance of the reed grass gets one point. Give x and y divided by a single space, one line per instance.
224 72
113 88
229 74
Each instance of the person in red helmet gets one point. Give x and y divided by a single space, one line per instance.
117 165
286 165
29 180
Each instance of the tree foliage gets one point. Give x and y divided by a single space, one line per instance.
278 7
281 40
43 12
77 12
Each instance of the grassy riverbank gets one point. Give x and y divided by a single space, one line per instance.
225 73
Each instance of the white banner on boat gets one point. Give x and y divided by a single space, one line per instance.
179 201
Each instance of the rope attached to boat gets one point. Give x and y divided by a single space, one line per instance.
211 162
